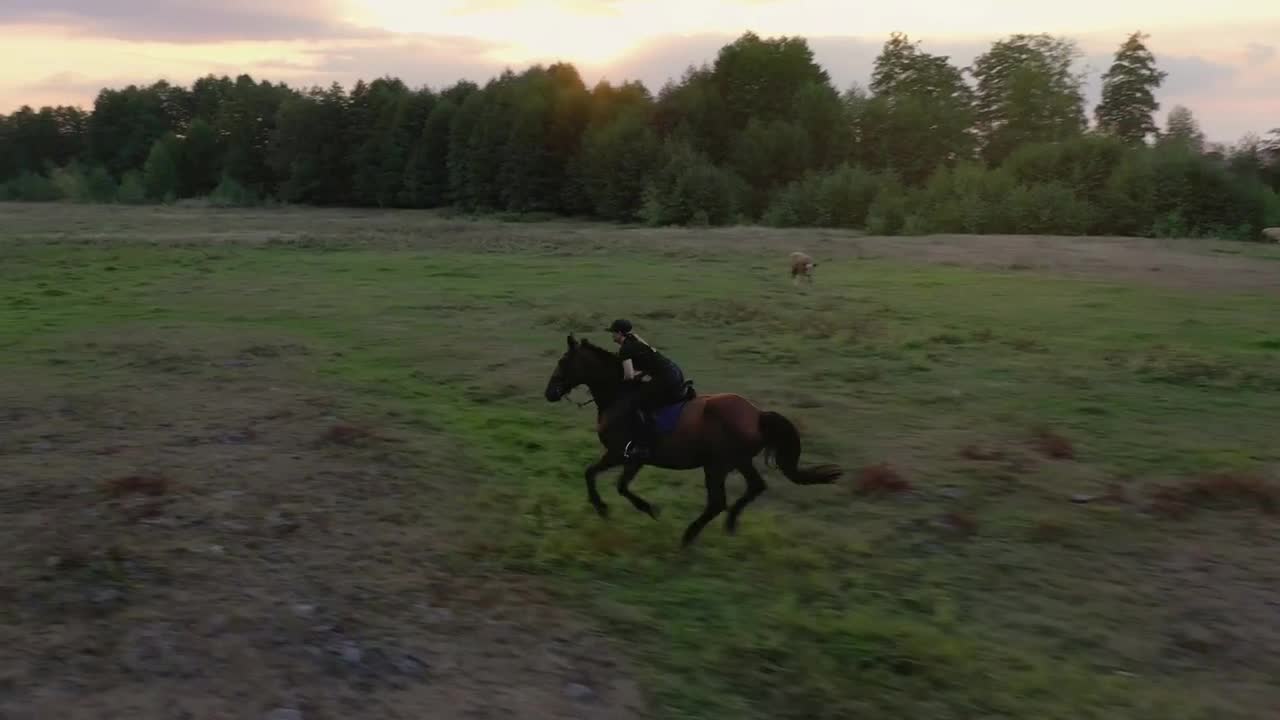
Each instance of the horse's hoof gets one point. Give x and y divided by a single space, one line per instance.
602 510
654 511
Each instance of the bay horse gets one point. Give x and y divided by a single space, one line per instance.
719 433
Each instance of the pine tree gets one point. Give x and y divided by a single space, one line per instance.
1128 102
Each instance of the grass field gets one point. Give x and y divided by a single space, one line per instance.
349 497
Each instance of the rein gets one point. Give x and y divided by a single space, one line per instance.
579 404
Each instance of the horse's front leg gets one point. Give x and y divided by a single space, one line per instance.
624 489
604 463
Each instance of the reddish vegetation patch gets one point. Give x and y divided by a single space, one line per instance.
137 484
1180 501
1116 493
961 522
1048 531
607 541
347 435
973 451
1054 445
880 480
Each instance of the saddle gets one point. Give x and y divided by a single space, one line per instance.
668 412
683 395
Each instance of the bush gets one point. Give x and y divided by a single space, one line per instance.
1127 203
76 184
230 193
133 190
1084 164
70 183
968 198
160 173
1050 208
688 186
1271 208
30 187
1170 225
888 212
1197 196
100 186
840 198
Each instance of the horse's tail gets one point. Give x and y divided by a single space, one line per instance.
782 447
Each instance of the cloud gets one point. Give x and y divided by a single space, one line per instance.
185 20
71 83
436 61
1259 54
1190 75
577 7
657 61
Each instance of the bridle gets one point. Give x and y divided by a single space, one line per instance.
569 393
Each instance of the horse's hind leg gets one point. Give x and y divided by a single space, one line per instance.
755 486
715 503
624 489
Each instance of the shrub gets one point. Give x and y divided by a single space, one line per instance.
887 214
1126 204
230 193
688 186
839 198
30 187
133 190
1048 208
1084 164
968 198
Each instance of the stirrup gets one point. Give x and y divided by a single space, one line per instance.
632 449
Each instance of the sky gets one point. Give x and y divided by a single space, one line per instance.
1223 58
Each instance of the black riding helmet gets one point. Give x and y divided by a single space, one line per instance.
620 325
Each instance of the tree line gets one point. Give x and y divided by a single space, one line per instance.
759 135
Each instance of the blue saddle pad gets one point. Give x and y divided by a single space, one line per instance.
667 417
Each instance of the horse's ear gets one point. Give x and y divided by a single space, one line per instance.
572 341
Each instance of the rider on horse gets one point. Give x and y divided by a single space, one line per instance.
652 381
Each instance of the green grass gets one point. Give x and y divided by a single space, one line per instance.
984 593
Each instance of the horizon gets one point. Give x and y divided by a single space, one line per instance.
1224 68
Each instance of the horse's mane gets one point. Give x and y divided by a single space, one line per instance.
604 355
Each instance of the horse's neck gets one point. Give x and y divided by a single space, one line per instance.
604 393
607 383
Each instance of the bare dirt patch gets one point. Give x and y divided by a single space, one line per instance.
190 550
1219 490
881 479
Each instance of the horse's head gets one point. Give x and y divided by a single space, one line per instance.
581 364
569 372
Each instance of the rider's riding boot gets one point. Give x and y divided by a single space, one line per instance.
641 445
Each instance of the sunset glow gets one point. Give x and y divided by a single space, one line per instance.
1221 58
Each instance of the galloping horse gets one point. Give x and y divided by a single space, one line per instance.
719 433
